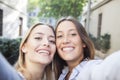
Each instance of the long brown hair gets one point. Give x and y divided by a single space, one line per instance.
20 65
88 50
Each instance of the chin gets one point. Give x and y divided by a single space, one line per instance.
46 62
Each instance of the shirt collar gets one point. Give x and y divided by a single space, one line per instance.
75 71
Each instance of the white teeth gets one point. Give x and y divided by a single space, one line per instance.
43 51
68 49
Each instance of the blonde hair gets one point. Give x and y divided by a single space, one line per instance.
20 64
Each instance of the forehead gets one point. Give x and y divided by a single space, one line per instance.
66 25
43 29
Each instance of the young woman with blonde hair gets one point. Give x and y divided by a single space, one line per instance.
36 53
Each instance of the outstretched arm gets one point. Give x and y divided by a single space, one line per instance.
109 69
7 72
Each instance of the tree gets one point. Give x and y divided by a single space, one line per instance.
32 4
59 8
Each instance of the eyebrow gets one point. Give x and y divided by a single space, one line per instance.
72 30
44 34
69 30
39 33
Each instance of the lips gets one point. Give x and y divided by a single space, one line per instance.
43 51
66 49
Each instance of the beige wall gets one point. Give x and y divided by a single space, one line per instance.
110 22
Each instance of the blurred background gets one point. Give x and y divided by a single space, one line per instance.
99 17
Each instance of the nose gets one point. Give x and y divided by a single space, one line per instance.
66 40
45 42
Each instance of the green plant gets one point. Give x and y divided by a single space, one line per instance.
57 8
10 48
102 43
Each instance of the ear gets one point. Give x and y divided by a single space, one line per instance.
24 49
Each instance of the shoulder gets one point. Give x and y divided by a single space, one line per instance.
85 68
87 65
94 62
90 63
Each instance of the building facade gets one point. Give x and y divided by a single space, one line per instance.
104 18
13 18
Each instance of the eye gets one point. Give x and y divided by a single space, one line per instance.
52 41
59 36
38 38
73 34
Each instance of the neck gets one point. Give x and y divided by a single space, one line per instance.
36 70
72 64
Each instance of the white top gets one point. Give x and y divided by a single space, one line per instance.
78 69
108 69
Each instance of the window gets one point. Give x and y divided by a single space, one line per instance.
20 26
85 22
1 22
99 24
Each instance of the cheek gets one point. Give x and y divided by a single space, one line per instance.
78 41
80 44
31 47
53 49
57 43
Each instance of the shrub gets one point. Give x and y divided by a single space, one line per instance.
10 49
102 43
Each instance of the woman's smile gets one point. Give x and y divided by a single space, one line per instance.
68 49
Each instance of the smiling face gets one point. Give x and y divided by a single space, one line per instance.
68 42
40 45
